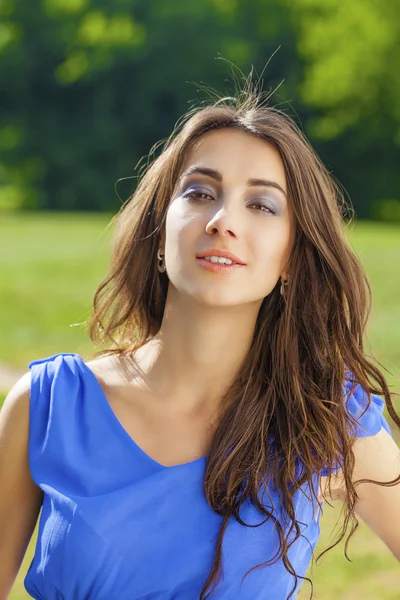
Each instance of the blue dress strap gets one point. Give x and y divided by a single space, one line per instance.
53 397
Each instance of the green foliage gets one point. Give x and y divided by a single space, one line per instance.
386 210
351 85
92 86
88 88
351 52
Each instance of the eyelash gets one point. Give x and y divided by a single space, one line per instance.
194 194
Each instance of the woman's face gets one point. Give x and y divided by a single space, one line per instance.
225 210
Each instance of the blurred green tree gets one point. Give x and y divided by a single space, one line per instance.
92 86
87 88
351 84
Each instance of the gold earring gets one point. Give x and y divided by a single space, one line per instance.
284 284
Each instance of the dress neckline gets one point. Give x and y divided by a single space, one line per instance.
120 429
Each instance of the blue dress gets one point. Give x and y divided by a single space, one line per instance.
117 525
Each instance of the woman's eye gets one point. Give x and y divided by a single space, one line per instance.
196 194
264 208
202 195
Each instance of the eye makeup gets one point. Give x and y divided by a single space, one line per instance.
192 189
263 206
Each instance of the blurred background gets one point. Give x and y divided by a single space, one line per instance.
87 88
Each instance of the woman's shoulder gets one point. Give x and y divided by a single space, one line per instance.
102 367
108 370
18 402
54 362
15 409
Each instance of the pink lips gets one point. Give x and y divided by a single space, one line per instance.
222 253
217 267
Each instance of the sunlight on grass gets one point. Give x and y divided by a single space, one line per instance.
50 266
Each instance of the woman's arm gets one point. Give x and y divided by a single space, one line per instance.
378 457
20 497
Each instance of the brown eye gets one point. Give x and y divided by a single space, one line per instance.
197 194
264 208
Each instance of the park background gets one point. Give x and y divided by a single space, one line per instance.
88 88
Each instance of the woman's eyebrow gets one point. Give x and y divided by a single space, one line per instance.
218 177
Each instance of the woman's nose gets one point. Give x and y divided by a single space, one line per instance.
223 222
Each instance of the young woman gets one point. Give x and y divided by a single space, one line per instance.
191 457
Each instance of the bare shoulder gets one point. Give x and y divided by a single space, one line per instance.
16 404
108 370
100 366
113 370
14 417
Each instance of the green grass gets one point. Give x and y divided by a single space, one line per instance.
378 247
50 266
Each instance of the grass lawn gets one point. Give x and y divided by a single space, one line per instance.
50 265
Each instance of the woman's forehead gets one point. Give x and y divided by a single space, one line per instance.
236 155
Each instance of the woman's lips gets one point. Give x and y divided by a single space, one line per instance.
215 267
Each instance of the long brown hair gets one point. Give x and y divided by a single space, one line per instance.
305 342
